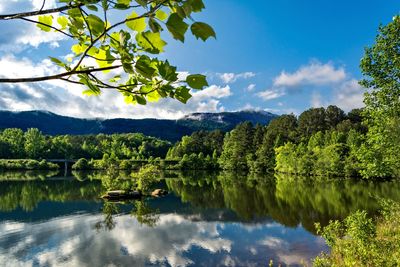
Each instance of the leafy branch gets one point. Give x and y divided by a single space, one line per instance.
127 46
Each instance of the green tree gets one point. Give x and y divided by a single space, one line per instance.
312 121
124 36
278 132
334 116
34 143
238 145
381 68
15 139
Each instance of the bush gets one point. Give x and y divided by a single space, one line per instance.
125 165
360 241
81 164
146 177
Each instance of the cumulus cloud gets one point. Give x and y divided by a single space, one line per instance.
18 35
250 87
315 73
349 95
67 99
271 94
231 77
174 241
74 242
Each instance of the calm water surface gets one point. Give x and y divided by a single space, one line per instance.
206 220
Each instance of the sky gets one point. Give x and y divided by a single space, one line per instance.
279 56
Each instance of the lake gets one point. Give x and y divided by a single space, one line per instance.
207 219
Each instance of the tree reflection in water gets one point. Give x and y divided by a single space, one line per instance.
288 200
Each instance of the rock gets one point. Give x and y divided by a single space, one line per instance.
121 194
159 193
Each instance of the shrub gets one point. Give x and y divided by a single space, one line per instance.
360 241
81 164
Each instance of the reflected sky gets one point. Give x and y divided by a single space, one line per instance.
176 240
206 220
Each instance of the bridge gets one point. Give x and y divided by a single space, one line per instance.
69 162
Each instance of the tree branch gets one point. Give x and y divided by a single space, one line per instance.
56 76
51 27
38 12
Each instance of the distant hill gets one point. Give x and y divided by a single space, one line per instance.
172 130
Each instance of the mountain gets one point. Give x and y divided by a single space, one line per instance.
172 130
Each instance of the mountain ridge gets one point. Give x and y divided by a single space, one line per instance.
172 130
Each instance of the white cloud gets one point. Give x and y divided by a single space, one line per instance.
67 99
231 77
17 35
316 100
349 95
313 74
271 94
251 87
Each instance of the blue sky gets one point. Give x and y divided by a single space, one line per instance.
281 56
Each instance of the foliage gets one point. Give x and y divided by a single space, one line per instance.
360 241
33 144
146 177
208 143
123 36
30 164
238 147
325 154
81 164
380 66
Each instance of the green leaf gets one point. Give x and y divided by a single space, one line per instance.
151 42
124 2
182 94
202 30
140 99
92 7
177 27
104 58
161 15
57 62
151 93
154 26
96 25
167 71
143 3
153 96
197 5
196 81
78 49
143 66
135 23
115 79
48 20
63 21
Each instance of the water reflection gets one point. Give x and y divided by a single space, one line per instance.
208 220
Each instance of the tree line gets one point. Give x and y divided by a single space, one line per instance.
33 144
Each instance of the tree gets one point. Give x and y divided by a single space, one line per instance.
238 145
381 68
334 116
279 131
34 143
15 139
312 121
128 45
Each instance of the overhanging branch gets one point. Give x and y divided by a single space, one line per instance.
56 76
38 12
